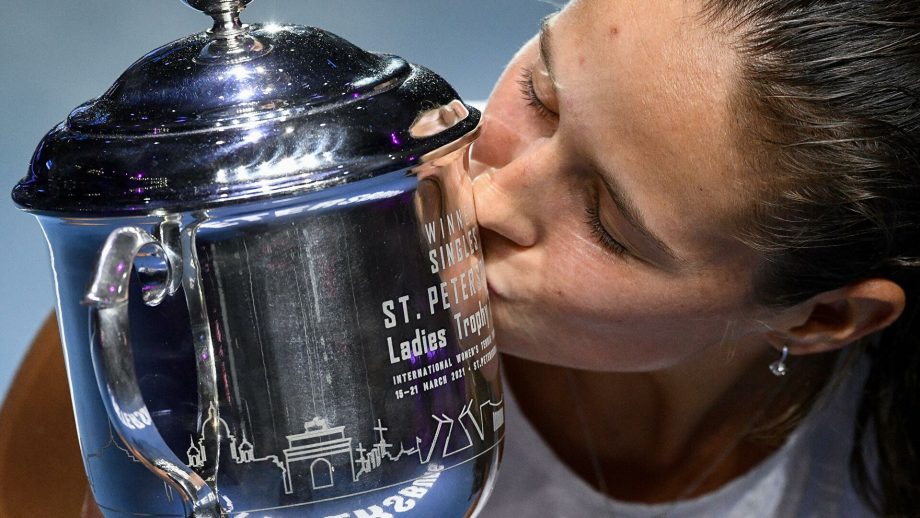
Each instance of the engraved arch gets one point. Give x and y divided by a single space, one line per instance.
321 474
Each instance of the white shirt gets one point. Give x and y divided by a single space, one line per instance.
808 476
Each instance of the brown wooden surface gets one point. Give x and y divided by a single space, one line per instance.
41 471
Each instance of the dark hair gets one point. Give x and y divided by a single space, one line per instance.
829 109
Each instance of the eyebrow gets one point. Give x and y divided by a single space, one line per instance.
545 46
629 212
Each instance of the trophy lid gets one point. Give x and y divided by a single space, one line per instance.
238 113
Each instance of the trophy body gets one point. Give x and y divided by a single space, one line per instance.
270 282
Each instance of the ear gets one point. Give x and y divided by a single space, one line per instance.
834 319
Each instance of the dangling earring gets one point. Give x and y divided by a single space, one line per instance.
778 368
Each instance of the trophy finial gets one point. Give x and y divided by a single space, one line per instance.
230 39
225 13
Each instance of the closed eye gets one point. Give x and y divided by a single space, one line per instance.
529 94
600 233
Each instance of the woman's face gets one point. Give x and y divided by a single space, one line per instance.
608 183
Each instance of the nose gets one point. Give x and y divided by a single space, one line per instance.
500 210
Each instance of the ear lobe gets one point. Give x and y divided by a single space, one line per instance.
840 317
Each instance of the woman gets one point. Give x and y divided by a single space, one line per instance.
675 196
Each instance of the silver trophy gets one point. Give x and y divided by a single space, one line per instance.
270 283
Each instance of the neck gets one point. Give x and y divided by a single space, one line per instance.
660 436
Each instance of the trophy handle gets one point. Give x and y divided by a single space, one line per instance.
113 361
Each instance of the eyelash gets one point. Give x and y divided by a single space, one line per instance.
600 233
530 95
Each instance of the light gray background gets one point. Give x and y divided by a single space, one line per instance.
55 54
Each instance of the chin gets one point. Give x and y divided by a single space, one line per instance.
515 337
511 343
526 337
523 346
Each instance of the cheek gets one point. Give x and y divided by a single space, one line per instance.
615 317
629 299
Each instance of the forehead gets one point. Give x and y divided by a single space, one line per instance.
649 89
